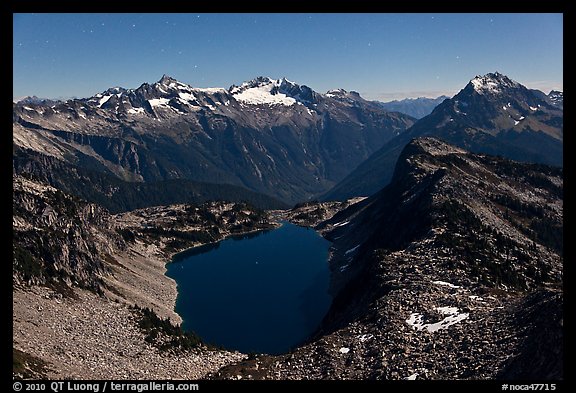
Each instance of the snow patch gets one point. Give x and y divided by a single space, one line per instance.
103 100
447 284
28 108
187 96
453 316
344 350
533 109
352 250
364 337
263 95
412 377
474 297
341 224
158 102
135 111
211 90
481 86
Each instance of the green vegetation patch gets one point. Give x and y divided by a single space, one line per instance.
162 333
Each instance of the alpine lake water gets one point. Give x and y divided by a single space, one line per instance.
264 292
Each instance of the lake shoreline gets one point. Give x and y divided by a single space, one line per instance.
282 274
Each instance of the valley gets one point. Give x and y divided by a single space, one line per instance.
445 253
405 296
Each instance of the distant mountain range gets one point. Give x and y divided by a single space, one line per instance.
270 136
415 107
36 101
266 136
492 114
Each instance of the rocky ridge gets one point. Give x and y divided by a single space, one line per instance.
444 274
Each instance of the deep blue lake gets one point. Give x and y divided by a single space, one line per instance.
265 292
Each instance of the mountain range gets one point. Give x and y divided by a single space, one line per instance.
492 114
271 136
447 264
415 107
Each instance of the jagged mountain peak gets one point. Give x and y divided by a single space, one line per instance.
166 79
339 93
492 114
259 81
33 100
264 81
115 90
169 83
264 90
556 98
493 83
29 100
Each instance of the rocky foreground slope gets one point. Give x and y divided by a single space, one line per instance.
77 271
453 271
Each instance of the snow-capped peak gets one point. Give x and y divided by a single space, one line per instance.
115 90
556 98
260 81
264 90
344 95
492 83
336 92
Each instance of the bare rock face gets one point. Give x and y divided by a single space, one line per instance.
59 240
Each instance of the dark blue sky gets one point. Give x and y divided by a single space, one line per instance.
382 56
